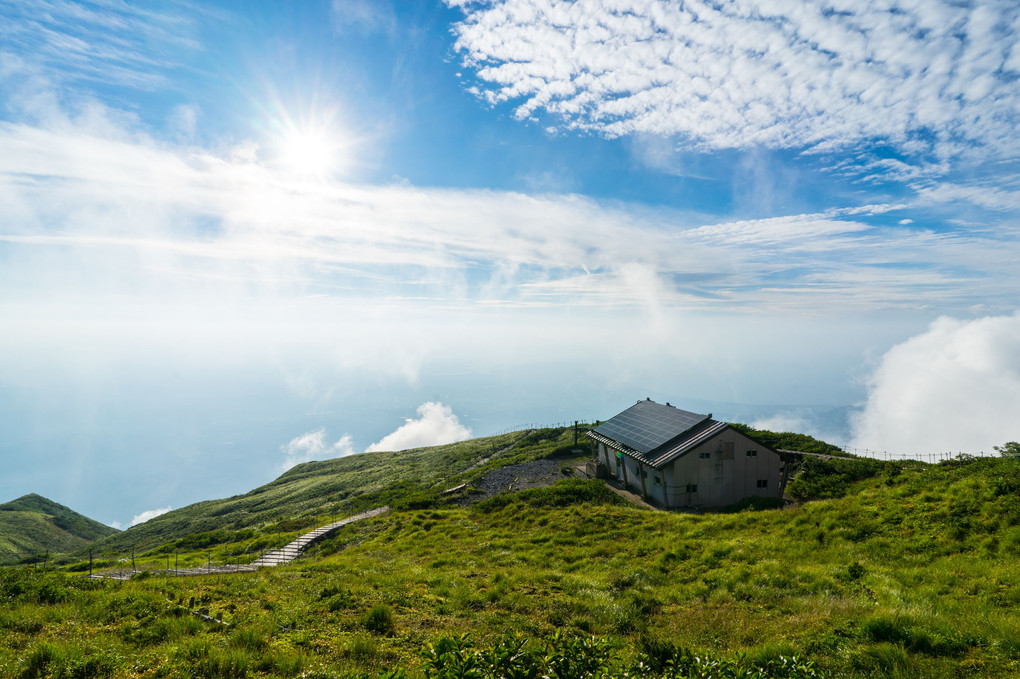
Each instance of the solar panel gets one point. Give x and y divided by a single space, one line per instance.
648 425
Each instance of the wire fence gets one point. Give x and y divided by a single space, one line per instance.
930 458
581 424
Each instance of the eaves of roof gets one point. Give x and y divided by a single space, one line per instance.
695 439
666 454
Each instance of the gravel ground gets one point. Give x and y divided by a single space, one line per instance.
535 474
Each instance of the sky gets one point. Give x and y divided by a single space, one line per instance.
237 236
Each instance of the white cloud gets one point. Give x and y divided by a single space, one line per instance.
150 514
436 425
313 446
193 223
783 422
954 388
934 75
108 43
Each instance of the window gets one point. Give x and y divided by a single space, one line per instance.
658 482
704 456
692 488
726 450
752 453
763 483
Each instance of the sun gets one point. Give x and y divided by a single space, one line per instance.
310 152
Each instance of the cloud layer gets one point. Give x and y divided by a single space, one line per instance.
92 206
932 76
314 446
436 425
954 388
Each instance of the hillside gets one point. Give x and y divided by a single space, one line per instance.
33 525
345 485
911 572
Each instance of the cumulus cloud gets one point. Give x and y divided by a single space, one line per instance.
934 76
954 388
314 446
436 425
150 514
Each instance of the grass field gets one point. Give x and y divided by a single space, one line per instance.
911 572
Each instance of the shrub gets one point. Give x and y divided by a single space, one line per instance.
39 661
820 478
379 619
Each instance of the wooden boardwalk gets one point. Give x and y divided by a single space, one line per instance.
274 557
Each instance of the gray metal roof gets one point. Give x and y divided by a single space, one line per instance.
648 426
692 439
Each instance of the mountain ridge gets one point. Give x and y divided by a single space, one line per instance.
33 524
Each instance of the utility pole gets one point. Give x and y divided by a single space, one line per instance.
90 562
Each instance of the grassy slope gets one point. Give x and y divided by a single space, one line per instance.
346 485
912 573
32 524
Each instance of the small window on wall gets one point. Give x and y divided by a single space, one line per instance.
704 456
763 483
752 453
658 481
692 488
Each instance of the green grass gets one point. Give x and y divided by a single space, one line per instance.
312 493
33 525
911 573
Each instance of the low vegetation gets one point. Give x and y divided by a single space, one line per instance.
906 570
32 526
314 492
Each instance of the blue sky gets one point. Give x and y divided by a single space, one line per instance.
236 236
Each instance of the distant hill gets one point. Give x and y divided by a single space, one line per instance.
347 485
33 524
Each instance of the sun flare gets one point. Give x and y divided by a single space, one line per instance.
311 153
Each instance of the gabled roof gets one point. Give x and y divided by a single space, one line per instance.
656 433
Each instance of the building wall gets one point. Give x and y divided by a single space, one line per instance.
640 478
723 472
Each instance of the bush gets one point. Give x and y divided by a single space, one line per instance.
379 619
820 478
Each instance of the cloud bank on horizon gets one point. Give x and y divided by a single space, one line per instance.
954 388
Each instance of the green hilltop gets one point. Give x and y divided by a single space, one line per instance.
33 525
315 491
882 569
